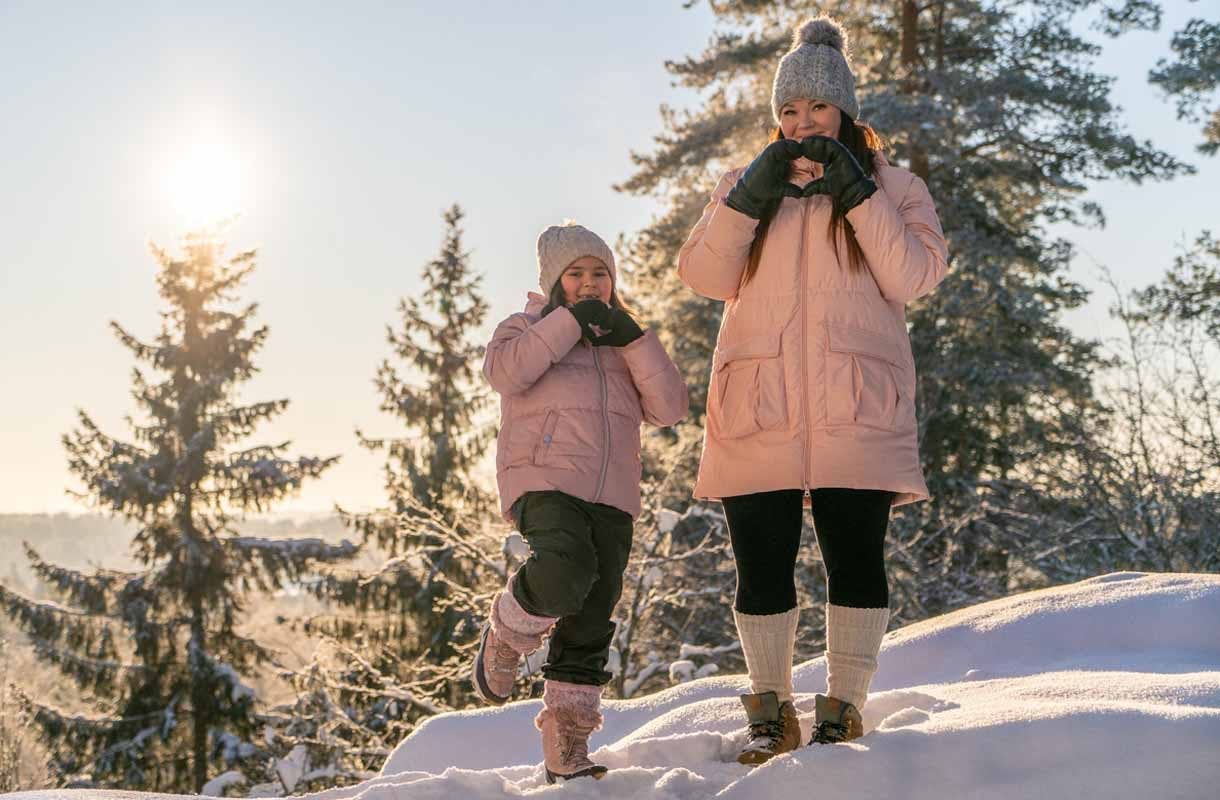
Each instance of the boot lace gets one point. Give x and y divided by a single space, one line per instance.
764 734
576 743
830 733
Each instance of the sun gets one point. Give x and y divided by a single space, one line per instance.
205 181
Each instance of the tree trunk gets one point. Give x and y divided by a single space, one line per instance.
910 63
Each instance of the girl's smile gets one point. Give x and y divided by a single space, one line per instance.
586 277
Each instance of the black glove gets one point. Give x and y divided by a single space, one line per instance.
623 330
591 313
843 178
765 181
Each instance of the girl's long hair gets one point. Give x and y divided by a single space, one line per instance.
863 142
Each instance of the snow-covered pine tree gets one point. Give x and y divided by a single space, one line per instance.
156 652
401 632
440 399
997 106
1193 78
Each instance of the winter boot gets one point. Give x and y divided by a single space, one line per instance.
774 728
569 715
509 633
835 721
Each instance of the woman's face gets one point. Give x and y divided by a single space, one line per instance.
800 118
584 278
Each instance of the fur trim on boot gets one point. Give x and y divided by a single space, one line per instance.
510 633
570 713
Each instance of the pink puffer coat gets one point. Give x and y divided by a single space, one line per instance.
813 382
570 413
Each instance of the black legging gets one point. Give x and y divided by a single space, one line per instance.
850 524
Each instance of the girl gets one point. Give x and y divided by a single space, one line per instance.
576 376
815 247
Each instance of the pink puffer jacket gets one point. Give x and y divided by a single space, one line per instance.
570 413
813 382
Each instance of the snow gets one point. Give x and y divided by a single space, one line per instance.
667 520
515 547
216 787
293 766
1107 688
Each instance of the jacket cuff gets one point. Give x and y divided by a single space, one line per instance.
559 331
728 231
645 357
877 205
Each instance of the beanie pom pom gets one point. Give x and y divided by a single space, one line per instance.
822 30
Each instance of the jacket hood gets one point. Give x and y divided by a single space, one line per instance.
534 303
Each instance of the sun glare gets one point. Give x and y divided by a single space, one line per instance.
204 184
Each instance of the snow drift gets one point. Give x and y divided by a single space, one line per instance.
1106 688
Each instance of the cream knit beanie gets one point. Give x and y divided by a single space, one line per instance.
560 245
816 68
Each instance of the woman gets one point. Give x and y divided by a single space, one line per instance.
815 247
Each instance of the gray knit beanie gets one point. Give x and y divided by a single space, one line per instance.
816 68
560 245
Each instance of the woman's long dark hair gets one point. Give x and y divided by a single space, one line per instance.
863 142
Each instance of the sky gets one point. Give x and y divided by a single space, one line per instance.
338 136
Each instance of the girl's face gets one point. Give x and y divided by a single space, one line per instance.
584 278
800 118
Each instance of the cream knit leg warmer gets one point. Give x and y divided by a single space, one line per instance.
767 640
853 639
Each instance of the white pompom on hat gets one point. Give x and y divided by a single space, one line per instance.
816 68
560 245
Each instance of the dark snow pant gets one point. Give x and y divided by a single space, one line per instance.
578 552
850 524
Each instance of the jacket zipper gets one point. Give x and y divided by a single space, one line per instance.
804 349
601 481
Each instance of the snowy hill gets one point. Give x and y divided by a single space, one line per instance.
1108 688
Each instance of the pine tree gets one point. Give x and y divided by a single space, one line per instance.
401 632
441 399
157 650
997 107
1194 77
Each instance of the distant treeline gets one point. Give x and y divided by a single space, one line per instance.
81 540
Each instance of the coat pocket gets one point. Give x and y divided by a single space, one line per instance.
542 450
864 371
747 392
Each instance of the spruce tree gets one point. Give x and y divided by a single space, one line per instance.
996 105
411 619
441 398
157 651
